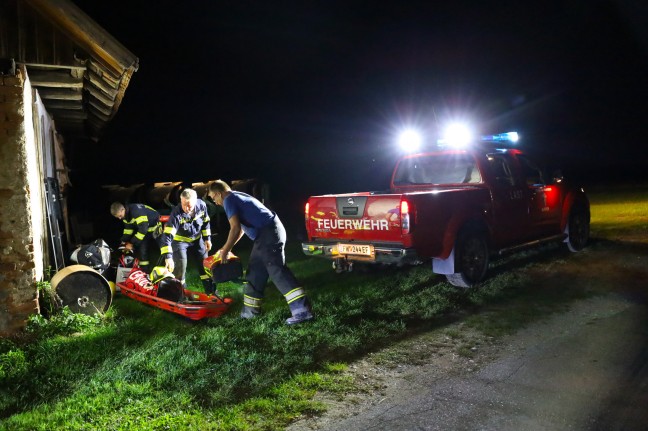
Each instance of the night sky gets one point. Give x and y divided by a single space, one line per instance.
308 96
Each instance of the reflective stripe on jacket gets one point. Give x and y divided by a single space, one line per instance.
138 221
182 227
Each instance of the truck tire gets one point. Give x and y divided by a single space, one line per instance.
578 229
471 260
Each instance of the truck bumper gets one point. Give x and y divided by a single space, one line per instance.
389 255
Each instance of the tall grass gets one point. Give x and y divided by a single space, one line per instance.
142 368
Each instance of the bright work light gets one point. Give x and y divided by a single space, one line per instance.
410 140
456 135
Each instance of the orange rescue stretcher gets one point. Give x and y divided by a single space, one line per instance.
167 293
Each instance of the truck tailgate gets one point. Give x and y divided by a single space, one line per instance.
355 217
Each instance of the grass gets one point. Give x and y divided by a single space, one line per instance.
140 368
620 212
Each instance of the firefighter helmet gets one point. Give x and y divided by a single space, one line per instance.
159 273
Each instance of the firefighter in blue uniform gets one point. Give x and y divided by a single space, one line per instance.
248 216
187 235
141 228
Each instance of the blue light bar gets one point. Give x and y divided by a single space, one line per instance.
512 137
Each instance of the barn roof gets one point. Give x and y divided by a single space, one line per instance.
80 71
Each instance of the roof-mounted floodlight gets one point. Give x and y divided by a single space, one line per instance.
456 135
410 140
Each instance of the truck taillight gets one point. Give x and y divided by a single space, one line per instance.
405 216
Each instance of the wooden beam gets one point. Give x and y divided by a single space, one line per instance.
34 66
60 94
100 107
64 125
105 73
97 81
98 94
66 105
97 113
70 121
55 80
65 114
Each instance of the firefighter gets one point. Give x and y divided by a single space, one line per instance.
142 227
248 216
187 235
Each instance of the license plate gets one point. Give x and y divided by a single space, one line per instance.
361 250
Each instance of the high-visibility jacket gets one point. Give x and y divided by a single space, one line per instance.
139 220
183 227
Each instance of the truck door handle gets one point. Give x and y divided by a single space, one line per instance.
349 211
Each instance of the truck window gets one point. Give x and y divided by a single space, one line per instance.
530 171
501 169
437 169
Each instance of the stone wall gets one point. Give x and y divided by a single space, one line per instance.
18 161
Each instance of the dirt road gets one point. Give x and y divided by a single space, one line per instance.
585 368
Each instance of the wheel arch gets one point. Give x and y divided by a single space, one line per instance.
447 264
575 199
470 257
475 226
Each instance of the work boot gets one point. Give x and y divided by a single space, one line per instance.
304 316
210 287
249 313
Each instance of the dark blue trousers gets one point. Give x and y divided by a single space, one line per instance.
268 260
196 252
144 251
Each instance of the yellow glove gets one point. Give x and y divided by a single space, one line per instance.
169 264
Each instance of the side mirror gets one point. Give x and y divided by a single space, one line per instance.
557 176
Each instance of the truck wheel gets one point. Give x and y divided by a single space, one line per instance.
577 230
471 260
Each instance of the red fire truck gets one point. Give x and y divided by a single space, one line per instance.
458 205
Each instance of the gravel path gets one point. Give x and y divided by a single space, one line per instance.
582 369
